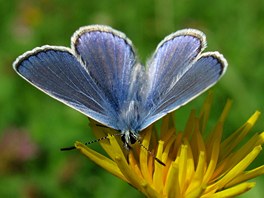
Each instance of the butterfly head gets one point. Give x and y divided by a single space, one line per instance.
129 138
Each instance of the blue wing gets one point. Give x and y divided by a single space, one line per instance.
178 72
110 59
101 78
93 77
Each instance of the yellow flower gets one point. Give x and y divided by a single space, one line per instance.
195 166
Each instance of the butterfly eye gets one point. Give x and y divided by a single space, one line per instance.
123 139
133 138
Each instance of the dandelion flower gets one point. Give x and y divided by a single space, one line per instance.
195 165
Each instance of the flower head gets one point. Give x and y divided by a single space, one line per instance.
195 165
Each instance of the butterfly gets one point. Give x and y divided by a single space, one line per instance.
101 76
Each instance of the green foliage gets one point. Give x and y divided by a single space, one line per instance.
233 28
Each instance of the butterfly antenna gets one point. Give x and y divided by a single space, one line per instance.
86 143
158 160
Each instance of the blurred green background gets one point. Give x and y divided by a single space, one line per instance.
33 126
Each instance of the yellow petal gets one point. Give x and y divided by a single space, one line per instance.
204 115
157 175
232 141
234 191
225 111
101 160
213 149
129 174
143 156
183 166
230 161
238 169
196 183
172 186
247 176
197 192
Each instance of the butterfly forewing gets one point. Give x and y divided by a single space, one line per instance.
110 59
171 60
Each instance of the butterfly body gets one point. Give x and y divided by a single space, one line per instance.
101 77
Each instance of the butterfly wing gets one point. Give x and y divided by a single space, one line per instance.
78 77
112 63
178 72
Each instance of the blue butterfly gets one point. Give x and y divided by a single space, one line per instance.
101 77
